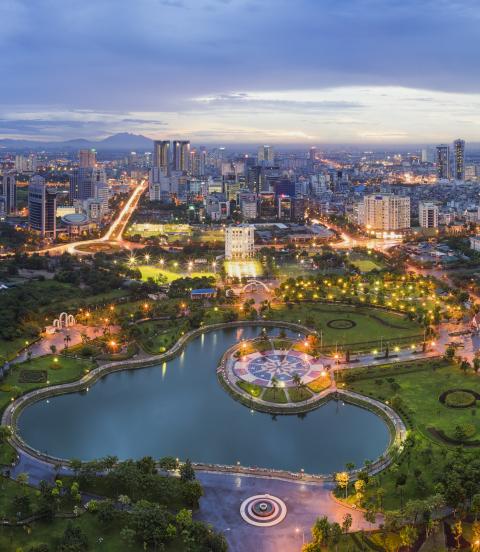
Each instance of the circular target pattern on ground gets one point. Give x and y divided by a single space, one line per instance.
341 324
261 368
263 510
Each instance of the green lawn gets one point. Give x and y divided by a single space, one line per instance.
154 272
366 265
369 324
65 369
419 392
250 388
299 395
101 538
158 336
10 349
275 395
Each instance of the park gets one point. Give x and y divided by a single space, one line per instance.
360 351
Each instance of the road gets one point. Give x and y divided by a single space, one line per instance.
113 234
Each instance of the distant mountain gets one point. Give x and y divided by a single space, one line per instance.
121 141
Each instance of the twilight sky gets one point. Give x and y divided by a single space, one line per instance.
224 71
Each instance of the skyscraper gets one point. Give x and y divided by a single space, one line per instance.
88 158
459 159
42 207
428 215
181 155
84 182
443 162
266 155
161 155
8 192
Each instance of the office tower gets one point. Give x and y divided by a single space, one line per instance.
424 157
8 192
459 159
386 212
198 161
88 158
239 242
42 208
284 187
84 181
443 162
266 155
181 155
312 154
161 155
26 164
428 215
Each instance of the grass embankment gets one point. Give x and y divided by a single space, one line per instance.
382 325
154 272
413 389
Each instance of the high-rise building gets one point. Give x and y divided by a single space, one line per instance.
386 212
443 162
428 215
42 208
240 242
266 155
26 164
88 158
312 154
181 155
84 181
8 192
161 155
459 159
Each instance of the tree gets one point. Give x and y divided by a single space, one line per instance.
192 492
22 480
335 535
475 505
465 366
73 539
5 433
274 383
408 535
53 349
476 536
187 473
342 479
151 523
124 500
321 531
369 515
347 523
359 489
106 512
457 531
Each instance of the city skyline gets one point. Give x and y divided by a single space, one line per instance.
222 71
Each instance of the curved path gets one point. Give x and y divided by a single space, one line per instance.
225 487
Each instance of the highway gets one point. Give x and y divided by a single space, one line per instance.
113 234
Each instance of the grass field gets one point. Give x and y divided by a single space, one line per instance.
366 265
65 369
369 324
419 392
154 272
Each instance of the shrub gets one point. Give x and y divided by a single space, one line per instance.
33 376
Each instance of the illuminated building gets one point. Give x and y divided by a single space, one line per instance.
443 162
8 192
239 242
428 215
88 158
161 155
42 208
266 155
459 159
181 155
386 212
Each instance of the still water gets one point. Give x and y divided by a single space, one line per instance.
179 409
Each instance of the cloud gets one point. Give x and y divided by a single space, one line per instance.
181 58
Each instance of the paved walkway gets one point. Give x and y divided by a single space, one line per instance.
42 346
223 494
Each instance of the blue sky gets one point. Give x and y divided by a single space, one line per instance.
305 71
